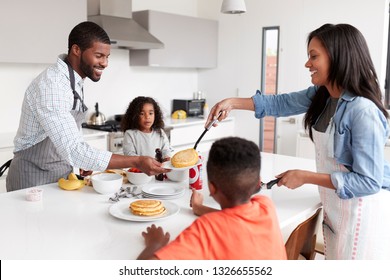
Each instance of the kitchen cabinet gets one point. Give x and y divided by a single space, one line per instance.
184 133
37 31
189 42
95 138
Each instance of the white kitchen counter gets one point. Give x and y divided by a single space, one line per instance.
7 139
172 123
77 224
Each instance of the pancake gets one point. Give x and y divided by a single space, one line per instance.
147 207
185 158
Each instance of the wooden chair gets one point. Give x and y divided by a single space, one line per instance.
302 241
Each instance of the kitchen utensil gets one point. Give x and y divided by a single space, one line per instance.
97 118
207 129
270 184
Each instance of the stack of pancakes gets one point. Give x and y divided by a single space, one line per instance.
147 207
185 158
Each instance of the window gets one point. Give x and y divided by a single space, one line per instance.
269 85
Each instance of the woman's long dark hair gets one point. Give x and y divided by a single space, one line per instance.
351 68
131 118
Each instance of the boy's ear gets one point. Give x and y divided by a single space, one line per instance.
258 187
212 188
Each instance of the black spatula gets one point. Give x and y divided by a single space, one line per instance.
206 129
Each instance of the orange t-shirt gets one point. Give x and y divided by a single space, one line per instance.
245 232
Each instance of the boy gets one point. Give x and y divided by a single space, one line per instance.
246 227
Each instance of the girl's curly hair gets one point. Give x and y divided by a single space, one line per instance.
131 118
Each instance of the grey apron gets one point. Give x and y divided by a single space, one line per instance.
41 164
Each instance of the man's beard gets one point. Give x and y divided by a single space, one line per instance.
88 70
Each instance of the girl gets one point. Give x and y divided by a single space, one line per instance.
143 126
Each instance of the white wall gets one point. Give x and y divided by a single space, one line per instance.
239 57
238 72
119 84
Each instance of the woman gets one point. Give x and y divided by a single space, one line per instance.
348 124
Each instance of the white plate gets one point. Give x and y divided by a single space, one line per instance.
122 211
168 165
166 189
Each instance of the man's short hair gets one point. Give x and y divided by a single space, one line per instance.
85 34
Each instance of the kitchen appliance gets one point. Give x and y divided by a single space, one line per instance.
97 118
115 17
115 135
193 107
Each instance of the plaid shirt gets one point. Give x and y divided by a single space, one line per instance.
46 112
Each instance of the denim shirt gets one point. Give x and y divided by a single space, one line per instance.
361 131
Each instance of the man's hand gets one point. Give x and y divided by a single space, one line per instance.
150 166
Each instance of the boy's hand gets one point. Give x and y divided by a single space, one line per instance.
155 237
196 202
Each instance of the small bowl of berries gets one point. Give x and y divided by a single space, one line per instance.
137 177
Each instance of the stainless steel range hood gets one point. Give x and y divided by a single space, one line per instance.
115 17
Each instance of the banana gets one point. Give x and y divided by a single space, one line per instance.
72 176
70 185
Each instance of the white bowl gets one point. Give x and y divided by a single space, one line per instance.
106 183
137 178
178 175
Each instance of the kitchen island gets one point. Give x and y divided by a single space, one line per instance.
77 224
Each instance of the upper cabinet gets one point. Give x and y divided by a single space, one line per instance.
189 42
37 31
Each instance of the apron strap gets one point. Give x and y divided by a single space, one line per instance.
72 85
4 167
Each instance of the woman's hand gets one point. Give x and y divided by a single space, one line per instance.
226 105
292 179
223 106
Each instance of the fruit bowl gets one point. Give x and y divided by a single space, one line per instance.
106 183
137 177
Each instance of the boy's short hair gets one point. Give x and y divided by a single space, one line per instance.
233 166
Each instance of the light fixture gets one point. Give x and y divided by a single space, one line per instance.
233 7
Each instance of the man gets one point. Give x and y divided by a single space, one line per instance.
48 141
